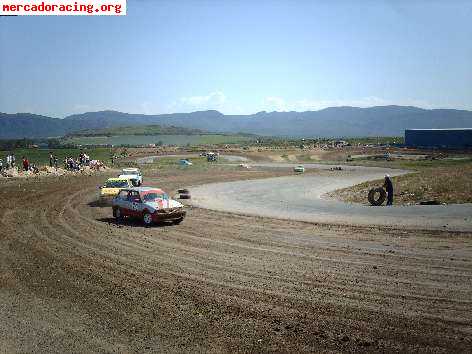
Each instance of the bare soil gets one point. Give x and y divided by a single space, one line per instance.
72 280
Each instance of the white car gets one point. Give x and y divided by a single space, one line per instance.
185 162
133 174
147 204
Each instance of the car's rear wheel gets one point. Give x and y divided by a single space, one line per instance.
117 214
178 221
147 219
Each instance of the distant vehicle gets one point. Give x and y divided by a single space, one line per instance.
244 165
112 187
147 204
133 174
212 157
185 162
299 169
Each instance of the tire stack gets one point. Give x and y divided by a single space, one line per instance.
184 193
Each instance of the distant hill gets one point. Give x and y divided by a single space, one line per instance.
137 130
329 122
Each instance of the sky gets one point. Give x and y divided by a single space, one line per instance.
239 57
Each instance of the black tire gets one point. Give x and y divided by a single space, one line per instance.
185 196
178 221
183 191
117 214
147 219
372 196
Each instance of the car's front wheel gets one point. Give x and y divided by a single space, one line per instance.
147 219
117 214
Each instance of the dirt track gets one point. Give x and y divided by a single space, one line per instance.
73 281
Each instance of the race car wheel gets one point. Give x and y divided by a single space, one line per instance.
117 214
147 219
178 221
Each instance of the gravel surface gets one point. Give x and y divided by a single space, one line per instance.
72 280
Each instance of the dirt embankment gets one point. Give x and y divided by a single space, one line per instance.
445 184
74 281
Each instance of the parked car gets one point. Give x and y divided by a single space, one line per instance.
112 187
185 162
299 169
147 204
133 174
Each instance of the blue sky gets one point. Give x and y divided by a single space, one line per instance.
240 57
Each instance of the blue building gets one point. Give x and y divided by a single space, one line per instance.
454 138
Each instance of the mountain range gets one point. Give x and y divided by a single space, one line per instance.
328 122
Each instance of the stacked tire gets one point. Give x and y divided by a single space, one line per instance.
184 193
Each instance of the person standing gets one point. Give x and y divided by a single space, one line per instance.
389 188
25 164
51 159
1 165
8 160
55 162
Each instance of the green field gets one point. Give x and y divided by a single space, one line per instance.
138 130
139 140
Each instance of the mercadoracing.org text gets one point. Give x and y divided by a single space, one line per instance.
62 7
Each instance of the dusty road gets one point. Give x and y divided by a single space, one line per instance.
302 198
74 281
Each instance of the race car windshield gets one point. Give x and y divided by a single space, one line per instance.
116 184
149 197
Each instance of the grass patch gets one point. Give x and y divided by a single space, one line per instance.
161 139
447 181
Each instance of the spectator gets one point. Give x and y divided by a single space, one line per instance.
389 187
25 164
1 165
8 161
34 169
13 160
55 162
51 159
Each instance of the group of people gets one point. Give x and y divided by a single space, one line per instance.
9 162
72 164
27 166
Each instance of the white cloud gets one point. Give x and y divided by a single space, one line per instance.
273 103
214 100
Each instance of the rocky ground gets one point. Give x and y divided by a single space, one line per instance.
72 280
